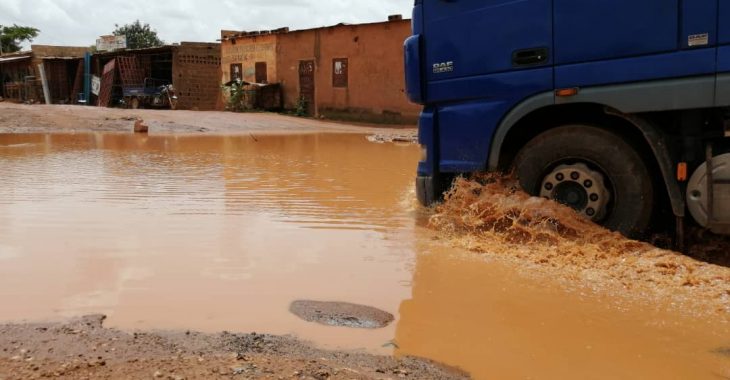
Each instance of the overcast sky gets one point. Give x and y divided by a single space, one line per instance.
80 22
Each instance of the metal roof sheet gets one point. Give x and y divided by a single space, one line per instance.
62 58
13 59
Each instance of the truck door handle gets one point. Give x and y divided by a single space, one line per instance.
530 57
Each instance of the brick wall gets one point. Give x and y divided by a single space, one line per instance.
196 74
372 89
58 51
41 51
247 51
375 88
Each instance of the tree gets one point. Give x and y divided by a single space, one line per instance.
139 36
12 37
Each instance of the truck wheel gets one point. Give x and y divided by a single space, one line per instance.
592 170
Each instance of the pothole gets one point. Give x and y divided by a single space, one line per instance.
341 314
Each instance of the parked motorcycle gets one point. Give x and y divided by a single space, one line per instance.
150 95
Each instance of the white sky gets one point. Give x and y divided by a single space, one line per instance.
80 22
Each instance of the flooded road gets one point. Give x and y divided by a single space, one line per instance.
500 325
217 233
206 233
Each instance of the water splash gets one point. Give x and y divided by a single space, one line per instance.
489 214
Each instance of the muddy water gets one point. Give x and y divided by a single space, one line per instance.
203 233
223 233
481 316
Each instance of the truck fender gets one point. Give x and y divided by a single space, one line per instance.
660 148
653 137
513 117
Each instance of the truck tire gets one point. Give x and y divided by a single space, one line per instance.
592 170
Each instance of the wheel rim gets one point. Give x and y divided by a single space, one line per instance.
579 187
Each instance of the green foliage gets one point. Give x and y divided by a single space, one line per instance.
11 37
139 36
302 107
235 96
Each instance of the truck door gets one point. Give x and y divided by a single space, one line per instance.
477 38
482 57
617 41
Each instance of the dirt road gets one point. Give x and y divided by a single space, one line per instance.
20 118
84 349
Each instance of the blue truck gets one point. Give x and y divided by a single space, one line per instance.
617 108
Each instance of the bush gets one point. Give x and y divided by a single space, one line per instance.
302 107
236 96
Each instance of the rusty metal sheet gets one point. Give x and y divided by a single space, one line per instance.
131 72
107 83
306 84
340 72
58 81
261 73
78 82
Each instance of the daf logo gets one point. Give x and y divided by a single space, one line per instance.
444 67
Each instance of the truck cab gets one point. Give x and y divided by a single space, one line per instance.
616 108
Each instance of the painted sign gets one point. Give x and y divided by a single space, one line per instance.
95 85
250 52
109 43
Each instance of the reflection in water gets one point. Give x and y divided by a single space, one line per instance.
206 233
480 316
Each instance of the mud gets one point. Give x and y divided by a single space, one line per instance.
341 314
708 247
20 118
84 349
490 215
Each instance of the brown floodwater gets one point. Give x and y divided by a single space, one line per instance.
484 317
220 233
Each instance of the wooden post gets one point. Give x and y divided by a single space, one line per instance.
44 81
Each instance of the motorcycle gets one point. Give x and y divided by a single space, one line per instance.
161 96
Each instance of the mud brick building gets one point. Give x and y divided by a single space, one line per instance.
192 68
63 66
347 72
196 73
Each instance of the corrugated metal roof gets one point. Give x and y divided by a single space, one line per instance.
152 50
232 34
13 59
62 58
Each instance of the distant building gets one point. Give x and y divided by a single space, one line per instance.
63 66
351 72
192 68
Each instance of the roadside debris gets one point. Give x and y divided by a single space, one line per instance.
140 127
411 138
341 314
